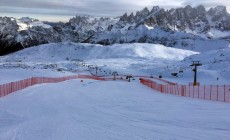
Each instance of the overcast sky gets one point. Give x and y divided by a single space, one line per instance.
55 10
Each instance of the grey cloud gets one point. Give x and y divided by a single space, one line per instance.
103 7
207 3
97 7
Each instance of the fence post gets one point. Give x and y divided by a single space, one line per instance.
11 87
161 88
6 89
3 90
193 91
32 80
170 89
0 90
185 90
211 92
167 88
175 89
182 90
204 91
217 93
178 90
224 94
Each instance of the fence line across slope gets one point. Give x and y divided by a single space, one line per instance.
11 87
206 92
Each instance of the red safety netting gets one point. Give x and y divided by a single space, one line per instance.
206 92
8 88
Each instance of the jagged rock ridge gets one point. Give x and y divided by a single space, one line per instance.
173 28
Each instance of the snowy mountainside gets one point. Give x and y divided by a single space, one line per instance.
144 34
61 51
136 58
8 35
25 23
216 61
197 22
178 28
84 24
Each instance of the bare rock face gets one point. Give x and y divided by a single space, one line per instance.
8 35
139 15
220 17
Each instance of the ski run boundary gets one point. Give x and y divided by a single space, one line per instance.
206 92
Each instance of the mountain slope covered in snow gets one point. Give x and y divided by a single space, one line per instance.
136 58
61 51
178 28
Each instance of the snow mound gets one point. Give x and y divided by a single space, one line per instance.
63 51
137 50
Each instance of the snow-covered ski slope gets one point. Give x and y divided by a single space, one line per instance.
109 110
126 59
60 51
135 59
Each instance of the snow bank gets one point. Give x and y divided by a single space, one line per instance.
63 51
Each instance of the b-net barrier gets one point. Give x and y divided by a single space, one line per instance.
206 92
8 88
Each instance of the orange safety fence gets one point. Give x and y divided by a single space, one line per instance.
206 92
8 88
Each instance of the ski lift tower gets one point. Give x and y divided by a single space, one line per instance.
114 75
96 67
128 77
195 64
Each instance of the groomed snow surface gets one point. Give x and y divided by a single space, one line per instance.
111 110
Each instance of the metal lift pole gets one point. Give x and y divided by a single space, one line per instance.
195 64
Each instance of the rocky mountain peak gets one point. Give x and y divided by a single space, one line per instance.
188 7
140 14
145 10
155 9
124 17
200 8
219 10
79 20
130 17
27 20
